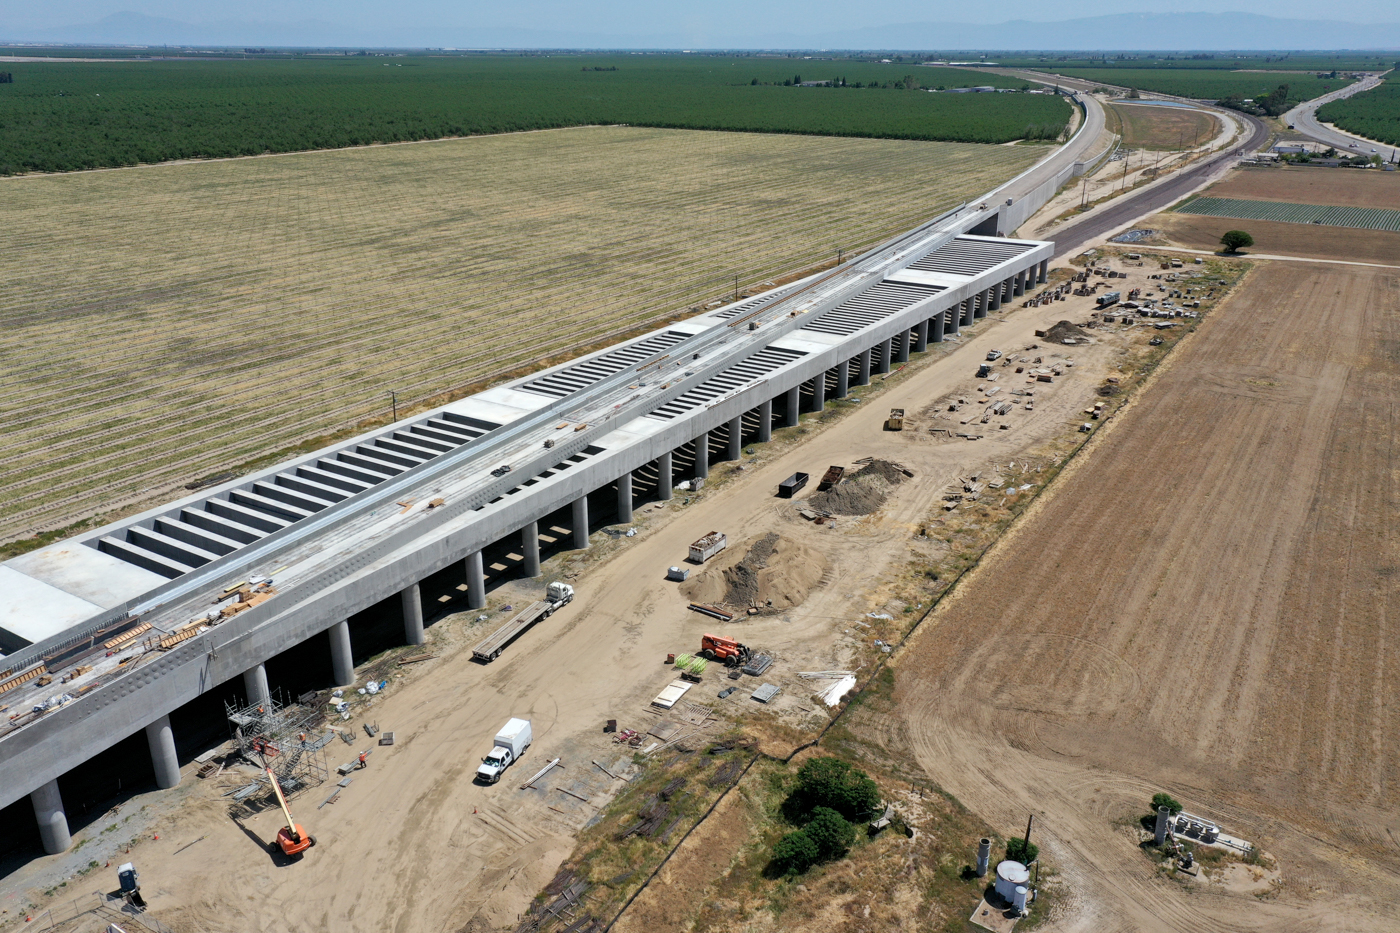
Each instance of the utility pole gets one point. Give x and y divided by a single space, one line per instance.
838 255
1085 198
1126 158
394 400
736 288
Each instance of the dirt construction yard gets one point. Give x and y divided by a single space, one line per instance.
1201 605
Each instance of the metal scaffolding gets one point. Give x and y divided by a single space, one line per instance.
283 737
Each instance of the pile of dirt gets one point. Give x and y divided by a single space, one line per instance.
863 492
775 572
1064 332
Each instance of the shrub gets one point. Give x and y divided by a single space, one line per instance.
1236 240
830 833
794 853
832 783
1165 800
1019 850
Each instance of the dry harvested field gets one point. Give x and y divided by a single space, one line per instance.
1303 185
1279 239
1202 605
1159 128
166 323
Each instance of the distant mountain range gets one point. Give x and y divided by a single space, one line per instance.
1126 31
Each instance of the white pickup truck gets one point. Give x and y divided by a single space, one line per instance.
515 736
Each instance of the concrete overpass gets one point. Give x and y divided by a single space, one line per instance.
125 619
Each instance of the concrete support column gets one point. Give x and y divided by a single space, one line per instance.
864 372
736 437
921 336
1006 290
581 522
955 319
882 363
624 498
901 347
702 454
970 309
476 581
819 391
413 611
765 421
1018 284
794 397
1044 271
994 293
162 742
530 545
666 473
1159 832
255 684
342 661
936 325
53 822
843 378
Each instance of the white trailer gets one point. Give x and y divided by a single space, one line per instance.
558 594
515 736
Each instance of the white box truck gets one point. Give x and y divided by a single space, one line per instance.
511 742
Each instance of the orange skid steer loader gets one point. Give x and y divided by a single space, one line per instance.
719 648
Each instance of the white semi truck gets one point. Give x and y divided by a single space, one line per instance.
557 594
515 736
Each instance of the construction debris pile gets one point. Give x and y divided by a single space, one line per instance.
1064 332
775 572
862 492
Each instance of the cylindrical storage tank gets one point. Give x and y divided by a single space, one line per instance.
1018 898
1163 817
1210 833
1011 875
984 857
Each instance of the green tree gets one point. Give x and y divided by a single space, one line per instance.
1019 850
1133 94
794 853
831 833
1236 240
833 783
754 82
1160 800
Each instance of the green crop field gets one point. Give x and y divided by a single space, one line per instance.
65 116
1362 218
169 322
1205 83
1374 114
1221 61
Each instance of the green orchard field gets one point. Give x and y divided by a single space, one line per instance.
64 116
1374 114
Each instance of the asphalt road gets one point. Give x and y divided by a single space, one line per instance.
1116 213
1303 119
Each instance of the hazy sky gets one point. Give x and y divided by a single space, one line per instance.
699 16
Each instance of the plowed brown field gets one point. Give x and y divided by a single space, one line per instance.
1303 185
1202 605
1280 239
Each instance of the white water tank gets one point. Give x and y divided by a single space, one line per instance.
1010 876
1018 899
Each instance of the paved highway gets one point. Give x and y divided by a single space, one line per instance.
1303 119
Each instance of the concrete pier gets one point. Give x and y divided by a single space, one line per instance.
970 308
53 822
955 319
921 337
666 476
476 581
702 454
819 391
995 293
530 544
936 328
624 499
765 421
794 398
736 437
255 684
412 599
342 661
901 347
864 372
581 522
163 759
1018 284
1044 271
882 360
843 378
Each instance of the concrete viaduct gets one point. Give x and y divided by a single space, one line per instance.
366 520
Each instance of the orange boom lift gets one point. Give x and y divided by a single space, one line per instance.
291 839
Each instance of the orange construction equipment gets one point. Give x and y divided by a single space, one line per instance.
291 839
719 648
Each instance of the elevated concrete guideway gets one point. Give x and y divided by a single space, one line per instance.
345 528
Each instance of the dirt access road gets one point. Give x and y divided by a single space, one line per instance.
1203 605
413 845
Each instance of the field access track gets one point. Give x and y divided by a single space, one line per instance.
1363 218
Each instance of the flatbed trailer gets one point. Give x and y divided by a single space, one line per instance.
492 646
